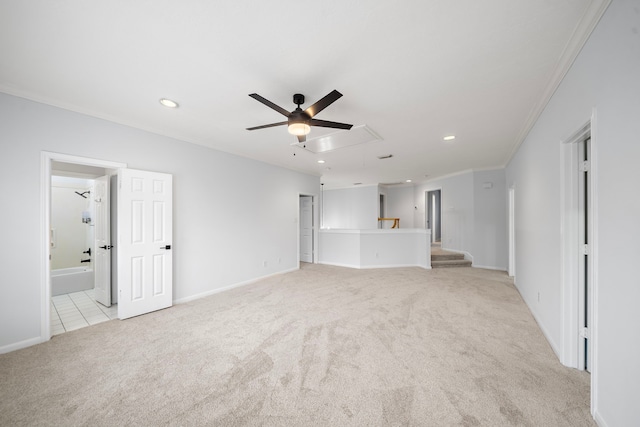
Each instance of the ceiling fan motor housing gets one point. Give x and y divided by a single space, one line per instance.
298 99
298 116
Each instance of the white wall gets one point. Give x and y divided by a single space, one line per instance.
457 200
474 218
71 235
230 213
490 247
353 208
604 77
400 204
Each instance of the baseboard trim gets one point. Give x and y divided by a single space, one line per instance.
20 345
599 420
233 286
489 267
544 330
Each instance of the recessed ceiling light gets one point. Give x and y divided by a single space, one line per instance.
449 138
320 161
168 103
408 180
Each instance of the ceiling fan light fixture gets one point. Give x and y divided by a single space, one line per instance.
299 129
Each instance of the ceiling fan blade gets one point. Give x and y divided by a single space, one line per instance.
302 138
270 104
326 124
268 126
323 103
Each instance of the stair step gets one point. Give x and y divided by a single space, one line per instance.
448 263
446 256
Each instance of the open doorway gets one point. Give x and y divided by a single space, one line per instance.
78 242
433 217
144 220
382 211
579 223
306 230
512 232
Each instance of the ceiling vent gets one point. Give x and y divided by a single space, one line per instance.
391 183
345 138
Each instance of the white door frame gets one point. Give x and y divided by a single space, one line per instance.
46 158
426 214
382 207
427 204
512 231
571 253
314 204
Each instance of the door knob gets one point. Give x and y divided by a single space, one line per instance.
105 247
165 247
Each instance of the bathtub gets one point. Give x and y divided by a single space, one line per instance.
74 279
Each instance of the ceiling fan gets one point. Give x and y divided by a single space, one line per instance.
299 121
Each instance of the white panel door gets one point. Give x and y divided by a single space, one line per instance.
145 261
306 229
102 240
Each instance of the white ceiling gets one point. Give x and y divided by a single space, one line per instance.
413 71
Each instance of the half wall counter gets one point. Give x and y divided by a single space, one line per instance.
376 248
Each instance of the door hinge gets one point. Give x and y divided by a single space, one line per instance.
585 166
584 333
585 249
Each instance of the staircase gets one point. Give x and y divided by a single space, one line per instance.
446 259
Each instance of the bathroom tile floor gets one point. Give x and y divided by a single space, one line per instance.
77 310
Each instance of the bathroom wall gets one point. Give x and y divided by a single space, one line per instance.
70 236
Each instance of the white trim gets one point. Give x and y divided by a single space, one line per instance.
488 267
467 255
20 345
228 288
315 203
580 35
511 230
593 309
546 333
46 158
569 254
463 172
597 417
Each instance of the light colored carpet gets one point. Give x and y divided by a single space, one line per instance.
322 346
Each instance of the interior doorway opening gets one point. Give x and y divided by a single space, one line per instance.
584 258
433 217
306 229
382 211
512 232
80 240
579 222
69 255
